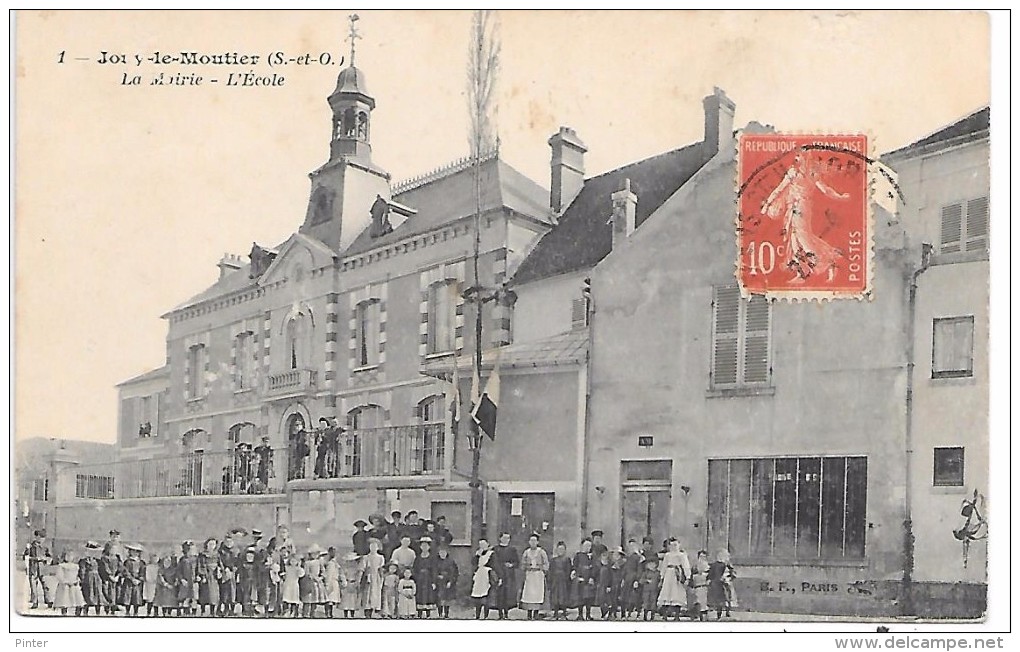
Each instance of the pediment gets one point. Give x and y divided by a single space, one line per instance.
297 258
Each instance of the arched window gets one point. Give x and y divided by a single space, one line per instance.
442 316
366 416
430 410
427 448
297 329
350 123
363 126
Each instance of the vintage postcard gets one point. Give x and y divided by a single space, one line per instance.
528 320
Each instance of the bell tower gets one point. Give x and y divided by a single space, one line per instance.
345 187
352 108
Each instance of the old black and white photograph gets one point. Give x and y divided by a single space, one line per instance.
510 321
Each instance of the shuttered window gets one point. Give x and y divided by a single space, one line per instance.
741 339
579 313
964 226
952 347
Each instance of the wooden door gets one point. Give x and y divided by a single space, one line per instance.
520 514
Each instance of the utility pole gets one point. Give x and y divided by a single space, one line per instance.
483 64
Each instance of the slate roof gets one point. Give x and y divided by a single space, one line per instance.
439 198
570 347
148 375
973 124
451 196
584 236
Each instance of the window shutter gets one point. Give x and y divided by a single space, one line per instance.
756 340
578 313
977 224
952 223
128 419
726 328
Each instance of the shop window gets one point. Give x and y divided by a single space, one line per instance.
789 507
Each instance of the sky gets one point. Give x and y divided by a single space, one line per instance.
127 196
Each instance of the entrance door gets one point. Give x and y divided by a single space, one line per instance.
645 513
520 514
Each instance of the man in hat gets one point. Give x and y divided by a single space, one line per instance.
36 556
264 462
360 537
414 528
597 547
443 533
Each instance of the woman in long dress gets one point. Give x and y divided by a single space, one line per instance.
68 594
535 563
371 570
331 579
291 592
209 578
312 586
424 575
675 571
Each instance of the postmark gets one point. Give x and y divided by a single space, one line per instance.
803 224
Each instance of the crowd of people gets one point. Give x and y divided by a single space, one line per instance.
396 568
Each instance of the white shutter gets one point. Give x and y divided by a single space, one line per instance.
952 225
756 340
977 224
726 325
578 313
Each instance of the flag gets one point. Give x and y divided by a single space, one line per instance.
455 404
484 412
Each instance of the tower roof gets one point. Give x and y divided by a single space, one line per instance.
351 80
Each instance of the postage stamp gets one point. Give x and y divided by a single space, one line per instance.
803 228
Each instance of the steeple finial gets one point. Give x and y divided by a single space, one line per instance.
352 34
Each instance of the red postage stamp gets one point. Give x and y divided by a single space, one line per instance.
803 227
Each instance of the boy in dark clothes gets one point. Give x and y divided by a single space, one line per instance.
606 586
650 588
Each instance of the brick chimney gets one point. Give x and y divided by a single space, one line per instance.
567 168
229 263
719 111
624 214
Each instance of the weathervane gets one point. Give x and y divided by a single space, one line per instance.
352 34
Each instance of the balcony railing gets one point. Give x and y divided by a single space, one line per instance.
201 473
370 452
293 381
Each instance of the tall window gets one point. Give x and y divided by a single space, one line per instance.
952 353
429 448
196 372
296 336
442 316
362 454
788 507
366 334
964 226
741 333
244 373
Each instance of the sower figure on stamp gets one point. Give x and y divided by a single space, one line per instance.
805 251
505 561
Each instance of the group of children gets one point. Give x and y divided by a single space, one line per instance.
639 583
398 569
236 576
